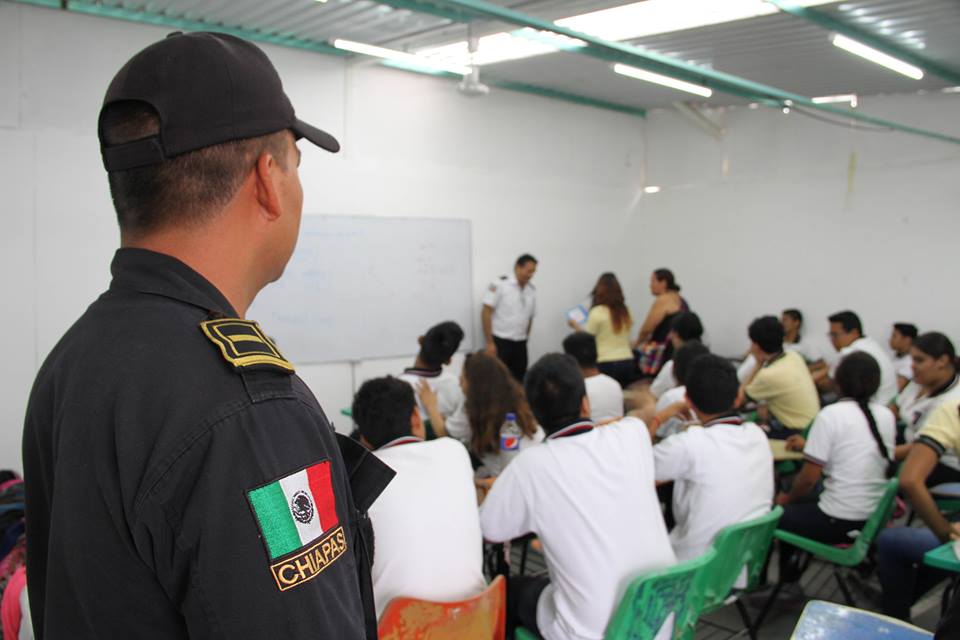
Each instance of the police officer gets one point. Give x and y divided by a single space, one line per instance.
181 481
509 304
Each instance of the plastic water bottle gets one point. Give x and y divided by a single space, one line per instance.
510 435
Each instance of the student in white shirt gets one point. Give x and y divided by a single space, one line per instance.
437 347
792 321
901 341
676 398
605 393
686 326
490 393
588 494
935 381
509 304
426 524
851 443
846 334
707 494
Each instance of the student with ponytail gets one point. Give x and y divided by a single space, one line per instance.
851 443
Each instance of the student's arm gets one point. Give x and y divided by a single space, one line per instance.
901 451
913 481
504 514
804 483
675 409
658 311
429 399
486 317
672 459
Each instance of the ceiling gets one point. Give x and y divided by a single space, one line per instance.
779 50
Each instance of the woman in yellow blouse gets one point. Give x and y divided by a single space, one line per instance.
610 322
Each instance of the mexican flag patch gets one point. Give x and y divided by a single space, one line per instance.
298 513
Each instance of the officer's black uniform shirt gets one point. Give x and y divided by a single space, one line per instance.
141 444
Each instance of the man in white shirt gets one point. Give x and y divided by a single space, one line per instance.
426 527
901 340
588 494
509 304
437 347
604 393
846 334
722 471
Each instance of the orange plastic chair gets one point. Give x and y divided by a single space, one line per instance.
482 617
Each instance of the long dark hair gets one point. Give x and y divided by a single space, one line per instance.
936 345
858 376
607 291
492 393
665 275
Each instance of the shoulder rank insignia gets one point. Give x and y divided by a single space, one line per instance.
244 344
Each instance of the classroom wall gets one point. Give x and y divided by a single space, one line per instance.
786 211
531 174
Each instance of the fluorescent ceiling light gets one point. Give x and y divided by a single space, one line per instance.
400 56
846 97
858 48
666 81
626 22
651 189
951 90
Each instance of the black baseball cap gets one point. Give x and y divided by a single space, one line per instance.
207 88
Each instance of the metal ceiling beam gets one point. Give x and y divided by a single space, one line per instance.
830 23
186 24
192 24
628 54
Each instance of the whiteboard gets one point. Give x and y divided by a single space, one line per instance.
359 287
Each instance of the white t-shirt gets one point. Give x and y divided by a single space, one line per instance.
513 307
426 525
806 348
746 368
673 396
903 366
664 380
447 388
915 407
606 397
841 442
722 473
458 427
591 500
888 377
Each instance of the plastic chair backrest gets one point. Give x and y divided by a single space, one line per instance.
482 617
652 597
878 520
740 545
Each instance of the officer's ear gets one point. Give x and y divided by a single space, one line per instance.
266 173
416 424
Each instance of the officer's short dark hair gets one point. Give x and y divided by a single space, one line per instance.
440 343
684 357
767 332
526 258
583 347
848 320
183 191
382 409
555 390
906 329
687 326
712 384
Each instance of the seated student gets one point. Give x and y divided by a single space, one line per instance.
723 470
490 393
682 359
935 380
792 321
781 380
588 494
605 393
903 575
851 443
686 326
901 340
672 411
437 347
426 524
846 334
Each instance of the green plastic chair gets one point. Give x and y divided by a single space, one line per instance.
651 598
841 556
739 546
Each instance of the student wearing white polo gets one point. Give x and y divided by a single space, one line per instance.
901 341
437 347
426 525
588 494
509 304
685 327
793 340
846 334
605 393
682 359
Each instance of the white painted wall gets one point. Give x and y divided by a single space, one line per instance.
531 174
786 211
